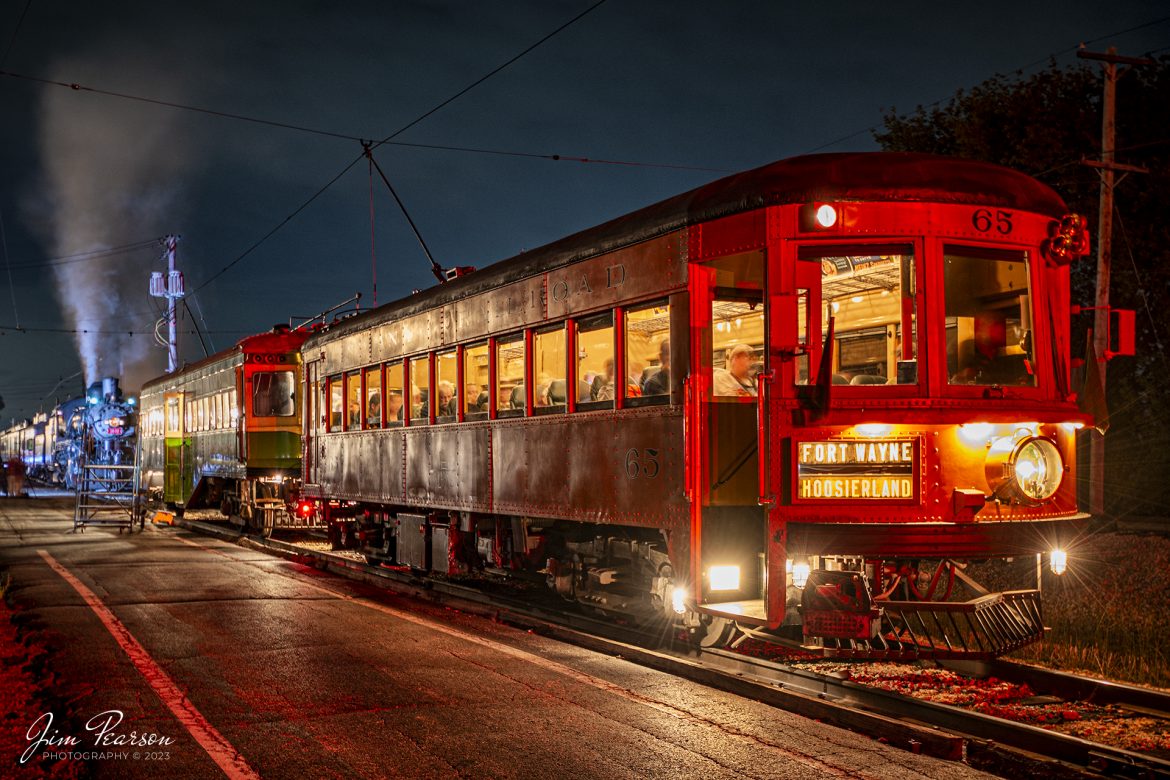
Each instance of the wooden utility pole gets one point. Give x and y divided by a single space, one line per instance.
1107 169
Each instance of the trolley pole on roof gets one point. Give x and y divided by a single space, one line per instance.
1107 168
170 287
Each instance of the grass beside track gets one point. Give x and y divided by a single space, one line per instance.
1108 613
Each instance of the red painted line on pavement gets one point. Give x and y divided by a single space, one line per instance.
218 748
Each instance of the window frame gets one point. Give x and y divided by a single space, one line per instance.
534 334
367 424
523 337
573 382
633 402
385 369
1037 290
922 257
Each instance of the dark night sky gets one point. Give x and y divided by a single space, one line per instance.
725 86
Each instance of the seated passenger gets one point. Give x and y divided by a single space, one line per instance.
658 383
374 409
736 379
394 406
602 387
355 414
471 396
446 400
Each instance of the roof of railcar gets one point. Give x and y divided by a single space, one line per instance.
858 176
279 340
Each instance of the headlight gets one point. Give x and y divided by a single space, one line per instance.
678 599
1029 469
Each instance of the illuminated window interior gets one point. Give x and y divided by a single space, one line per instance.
988 317
420 390
548 369
647 350
446 382
870 294
373 397
510 376
475 381
394 396
595 361
353 400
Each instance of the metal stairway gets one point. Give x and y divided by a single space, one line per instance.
106 496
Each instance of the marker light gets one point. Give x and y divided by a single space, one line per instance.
1058 561
874 429
723 577
678 599
826 215
800 572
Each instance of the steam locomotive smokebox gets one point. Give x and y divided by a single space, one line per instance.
414 542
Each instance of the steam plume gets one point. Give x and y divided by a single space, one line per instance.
111 170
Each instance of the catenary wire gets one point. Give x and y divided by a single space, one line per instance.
387 139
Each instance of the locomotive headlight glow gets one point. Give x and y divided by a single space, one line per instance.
723 577
1028 469
678 599
1058 561
1072 426
826 215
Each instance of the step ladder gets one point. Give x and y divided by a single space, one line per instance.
106 497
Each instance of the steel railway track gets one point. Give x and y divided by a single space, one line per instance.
921 726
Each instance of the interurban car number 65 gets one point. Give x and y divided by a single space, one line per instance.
793 400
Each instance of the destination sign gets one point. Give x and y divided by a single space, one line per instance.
870 469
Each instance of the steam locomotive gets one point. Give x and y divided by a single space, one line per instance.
99 428
797 398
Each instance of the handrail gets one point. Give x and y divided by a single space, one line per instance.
762 450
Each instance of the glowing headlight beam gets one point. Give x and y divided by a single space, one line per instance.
1058 561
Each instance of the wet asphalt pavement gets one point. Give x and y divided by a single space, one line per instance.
296 673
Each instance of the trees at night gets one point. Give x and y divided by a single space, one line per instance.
1045 125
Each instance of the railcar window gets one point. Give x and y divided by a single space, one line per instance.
648 353
988 317
216 412
336 404
274 394
548 370
353 401
233 405
475 382
595 385
394 396
420 390
737 343
871 294
373 397
446 380
201 415
510 376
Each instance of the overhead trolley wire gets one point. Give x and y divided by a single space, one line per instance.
387 140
